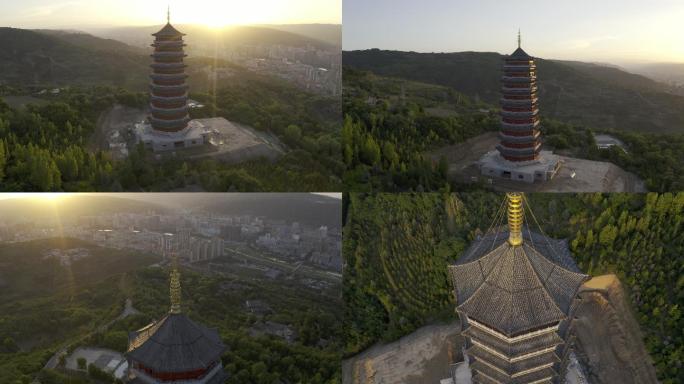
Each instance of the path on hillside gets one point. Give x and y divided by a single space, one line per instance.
128 310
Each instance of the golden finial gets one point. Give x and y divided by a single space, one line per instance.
168 14
175 287
519 39
515 218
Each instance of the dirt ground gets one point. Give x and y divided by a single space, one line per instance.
421 357
575 175
620 356
113 130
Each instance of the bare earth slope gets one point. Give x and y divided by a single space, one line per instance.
609 340
421 357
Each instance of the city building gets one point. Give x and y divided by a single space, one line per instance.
184 238
519 156
175 349
516 294
166 245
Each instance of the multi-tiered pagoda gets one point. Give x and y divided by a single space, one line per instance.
518 156
516 293
520 136
169 126
168 91
175 349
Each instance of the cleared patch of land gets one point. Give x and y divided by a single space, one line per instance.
576 175
234 142
424 356
114 127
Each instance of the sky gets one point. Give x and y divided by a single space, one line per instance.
610 31
58 195
107 13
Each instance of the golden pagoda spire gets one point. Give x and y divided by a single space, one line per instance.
515 218
175 287
519 39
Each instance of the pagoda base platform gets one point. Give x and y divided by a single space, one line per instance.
211 137
195 134
492 164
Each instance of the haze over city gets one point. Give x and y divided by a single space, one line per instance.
106 13
612 31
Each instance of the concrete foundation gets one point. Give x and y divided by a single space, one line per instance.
196 134
492 164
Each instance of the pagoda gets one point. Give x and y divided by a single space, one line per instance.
168 126
168 91
518 156
516 294
520 136
175 349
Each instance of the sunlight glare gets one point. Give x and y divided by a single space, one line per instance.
46 196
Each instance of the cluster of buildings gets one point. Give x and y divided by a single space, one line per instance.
302 243
189 247
193 237
309 67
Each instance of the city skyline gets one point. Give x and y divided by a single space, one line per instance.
111 13
624 32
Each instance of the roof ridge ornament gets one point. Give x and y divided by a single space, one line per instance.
515 218
175 287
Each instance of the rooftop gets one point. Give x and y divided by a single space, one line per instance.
516 281
168 31
175 344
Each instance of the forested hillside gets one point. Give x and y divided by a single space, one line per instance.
37 58
45 306
572 92
45 147
390 123
397 282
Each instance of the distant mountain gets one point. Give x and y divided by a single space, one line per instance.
669 73
72 206
90 42
202 40
329 33
599 96
61 58
305 208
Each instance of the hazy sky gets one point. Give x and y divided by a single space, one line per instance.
56 196
615 31
93 13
